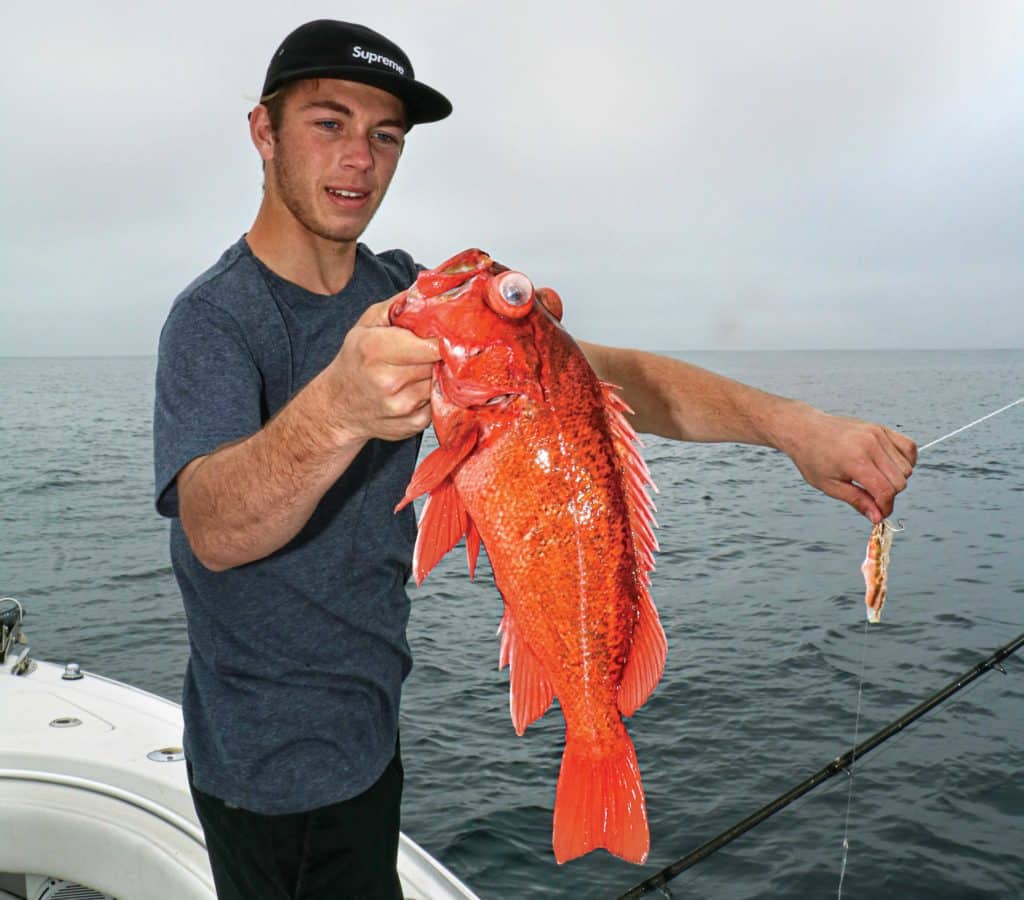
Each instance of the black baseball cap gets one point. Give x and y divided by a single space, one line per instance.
325 48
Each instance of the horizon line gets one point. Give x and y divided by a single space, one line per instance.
684 350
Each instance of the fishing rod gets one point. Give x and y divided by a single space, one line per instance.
840 764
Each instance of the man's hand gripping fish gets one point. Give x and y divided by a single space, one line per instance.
537 462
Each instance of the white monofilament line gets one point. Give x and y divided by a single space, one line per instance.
856 728
971 424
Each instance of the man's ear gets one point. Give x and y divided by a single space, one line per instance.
261 133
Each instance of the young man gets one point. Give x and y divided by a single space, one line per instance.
287 423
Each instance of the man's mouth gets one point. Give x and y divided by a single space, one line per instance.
345 194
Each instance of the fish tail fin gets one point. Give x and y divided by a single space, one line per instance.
600 802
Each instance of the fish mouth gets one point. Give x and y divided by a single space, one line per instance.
497 402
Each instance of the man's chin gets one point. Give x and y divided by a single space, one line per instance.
342 234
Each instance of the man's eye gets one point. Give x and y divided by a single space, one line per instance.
329 124
386 137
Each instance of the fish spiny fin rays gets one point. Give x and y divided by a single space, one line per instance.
647 653
646 657
600 802
637 477
441 464
530 693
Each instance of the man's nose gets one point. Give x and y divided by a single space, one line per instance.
356 153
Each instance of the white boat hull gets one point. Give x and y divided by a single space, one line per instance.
93 790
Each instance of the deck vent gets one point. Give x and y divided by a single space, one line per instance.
65 722
166 754
57 889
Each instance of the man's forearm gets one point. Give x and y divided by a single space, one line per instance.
861 463
677 400
247 499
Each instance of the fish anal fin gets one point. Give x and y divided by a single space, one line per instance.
600 802
440 464
646 660
529 691
442 524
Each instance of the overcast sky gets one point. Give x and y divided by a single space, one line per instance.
688 175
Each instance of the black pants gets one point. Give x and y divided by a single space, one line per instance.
346 850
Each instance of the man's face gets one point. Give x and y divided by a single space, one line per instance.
334 155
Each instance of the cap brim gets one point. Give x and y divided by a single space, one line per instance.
422 103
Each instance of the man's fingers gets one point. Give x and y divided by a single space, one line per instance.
904 446
390 346
893 466
883 469
377 315
411 350
857 497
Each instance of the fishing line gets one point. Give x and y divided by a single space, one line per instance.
853 756
860 686
971 424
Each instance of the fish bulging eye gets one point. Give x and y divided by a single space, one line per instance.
510 294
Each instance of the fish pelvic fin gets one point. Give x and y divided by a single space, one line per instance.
646 660
529 691
600 802
444 519
441 464
442 524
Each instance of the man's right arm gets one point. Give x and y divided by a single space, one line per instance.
249 498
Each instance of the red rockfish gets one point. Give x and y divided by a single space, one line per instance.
537 462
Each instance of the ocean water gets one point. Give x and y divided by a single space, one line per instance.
760 593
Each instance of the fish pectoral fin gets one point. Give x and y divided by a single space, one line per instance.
529 691
439 465
646 660
442 525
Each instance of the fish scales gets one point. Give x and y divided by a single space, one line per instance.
552 505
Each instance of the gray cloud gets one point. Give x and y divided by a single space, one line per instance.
760 175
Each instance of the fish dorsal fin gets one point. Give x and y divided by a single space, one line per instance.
646 657
646 660
440 464
637 477
530 693
442 524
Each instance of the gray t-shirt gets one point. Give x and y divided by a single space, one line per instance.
296 661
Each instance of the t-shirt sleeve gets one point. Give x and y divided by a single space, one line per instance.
402 269
208 389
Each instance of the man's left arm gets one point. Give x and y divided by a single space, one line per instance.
859 462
